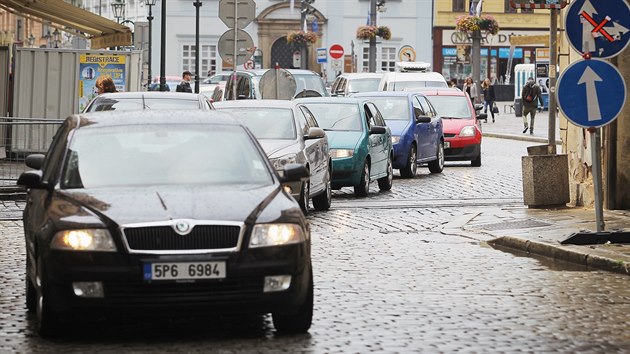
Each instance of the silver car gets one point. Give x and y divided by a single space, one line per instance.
289 133
135 101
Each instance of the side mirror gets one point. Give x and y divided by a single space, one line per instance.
35 161
483 116
478 107
376 129
423 119
294 172
31 179
315 133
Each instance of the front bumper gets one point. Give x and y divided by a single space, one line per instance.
346 172
462 150
126 293
401 155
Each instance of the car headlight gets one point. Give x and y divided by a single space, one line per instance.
467 131
395 139
341 153
264 235
84 240
279 162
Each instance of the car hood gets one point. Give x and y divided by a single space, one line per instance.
397 126
158 203
455 125
273 146
343 139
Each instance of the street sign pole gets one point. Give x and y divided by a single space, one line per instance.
595 136
553 61
234 57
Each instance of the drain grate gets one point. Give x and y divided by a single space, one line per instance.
517 224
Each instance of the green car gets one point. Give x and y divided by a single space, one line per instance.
359 141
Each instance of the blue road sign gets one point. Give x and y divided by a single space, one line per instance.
601 28
322 55
591 93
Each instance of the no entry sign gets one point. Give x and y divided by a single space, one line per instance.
336 51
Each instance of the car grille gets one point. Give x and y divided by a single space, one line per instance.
449 135
164 238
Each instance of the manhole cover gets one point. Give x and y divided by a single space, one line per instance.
517 224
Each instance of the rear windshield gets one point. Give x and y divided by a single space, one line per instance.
451 106
310 82
392 108
336 116
415 85
134 104
267 123
363 85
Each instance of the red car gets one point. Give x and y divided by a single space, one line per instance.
462 131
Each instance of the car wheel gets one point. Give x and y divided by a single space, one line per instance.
409 171
298 322
304 197
385 183
362 189
48 324
477 161
323 200
31 293
437 165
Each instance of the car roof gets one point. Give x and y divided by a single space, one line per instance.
441 91
151 94
255 103
260 72
387 94
363 75
162 117
329 100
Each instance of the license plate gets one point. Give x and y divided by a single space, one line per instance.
447 144
184 270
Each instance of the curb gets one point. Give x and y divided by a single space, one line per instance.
562 253
532 139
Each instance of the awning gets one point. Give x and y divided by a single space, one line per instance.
101 31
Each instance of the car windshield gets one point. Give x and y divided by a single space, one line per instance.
310 82
363 85
136 103
416 85
267 123
163 155
336 116
392 108
451 106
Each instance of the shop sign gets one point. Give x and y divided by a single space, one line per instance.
449 52
452 37
505 53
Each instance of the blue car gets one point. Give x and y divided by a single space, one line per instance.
417 130
359 141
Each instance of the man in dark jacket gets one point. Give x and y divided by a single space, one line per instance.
530 96
184 86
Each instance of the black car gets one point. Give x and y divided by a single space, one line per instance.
163 212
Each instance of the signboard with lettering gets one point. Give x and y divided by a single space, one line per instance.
452 37
93 66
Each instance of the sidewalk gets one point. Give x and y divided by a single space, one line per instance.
540 231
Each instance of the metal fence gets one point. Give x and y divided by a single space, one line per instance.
20 137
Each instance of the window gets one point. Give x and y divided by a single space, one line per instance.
207 56
459 5
508 8
385 58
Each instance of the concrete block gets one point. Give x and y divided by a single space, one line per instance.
545 180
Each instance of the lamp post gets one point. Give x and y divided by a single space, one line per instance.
119 9
163 48
30 40
197 5
150 4
47 37
56 37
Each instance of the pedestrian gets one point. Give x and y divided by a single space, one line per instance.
453 82
105 84
488 97
530 96
471 89
184 86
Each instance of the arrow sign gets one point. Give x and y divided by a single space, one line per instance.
591 93
589 78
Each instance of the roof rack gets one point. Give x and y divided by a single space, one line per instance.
412 66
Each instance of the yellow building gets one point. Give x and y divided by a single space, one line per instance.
451 49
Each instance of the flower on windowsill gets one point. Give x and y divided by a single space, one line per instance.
368 32
467 24
301 37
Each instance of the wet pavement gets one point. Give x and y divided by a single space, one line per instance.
404 271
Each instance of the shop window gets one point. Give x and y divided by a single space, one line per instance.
508 8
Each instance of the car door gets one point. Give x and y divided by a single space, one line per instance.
377 142
434 128
422 131
316 150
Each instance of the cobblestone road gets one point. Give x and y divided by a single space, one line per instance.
387 280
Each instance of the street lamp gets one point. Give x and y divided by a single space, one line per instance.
150 4
47 37
197 5
119 9
30 40
56 37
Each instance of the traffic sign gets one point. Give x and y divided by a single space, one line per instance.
336 51
406 53
246 12
322 55
277 84
600 28
337 64
245 47
591 93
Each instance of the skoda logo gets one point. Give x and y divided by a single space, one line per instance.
182 227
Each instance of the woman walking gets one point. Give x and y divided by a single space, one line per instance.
488 97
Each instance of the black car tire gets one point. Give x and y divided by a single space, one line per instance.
48 324
477 161
31 292
385 183
363 188
323 201
304 196
437 165
410 169
300 321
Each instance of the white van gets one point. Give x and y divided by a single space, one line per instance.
410 81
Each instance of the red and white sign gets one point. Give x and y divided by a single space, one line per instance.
336 51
